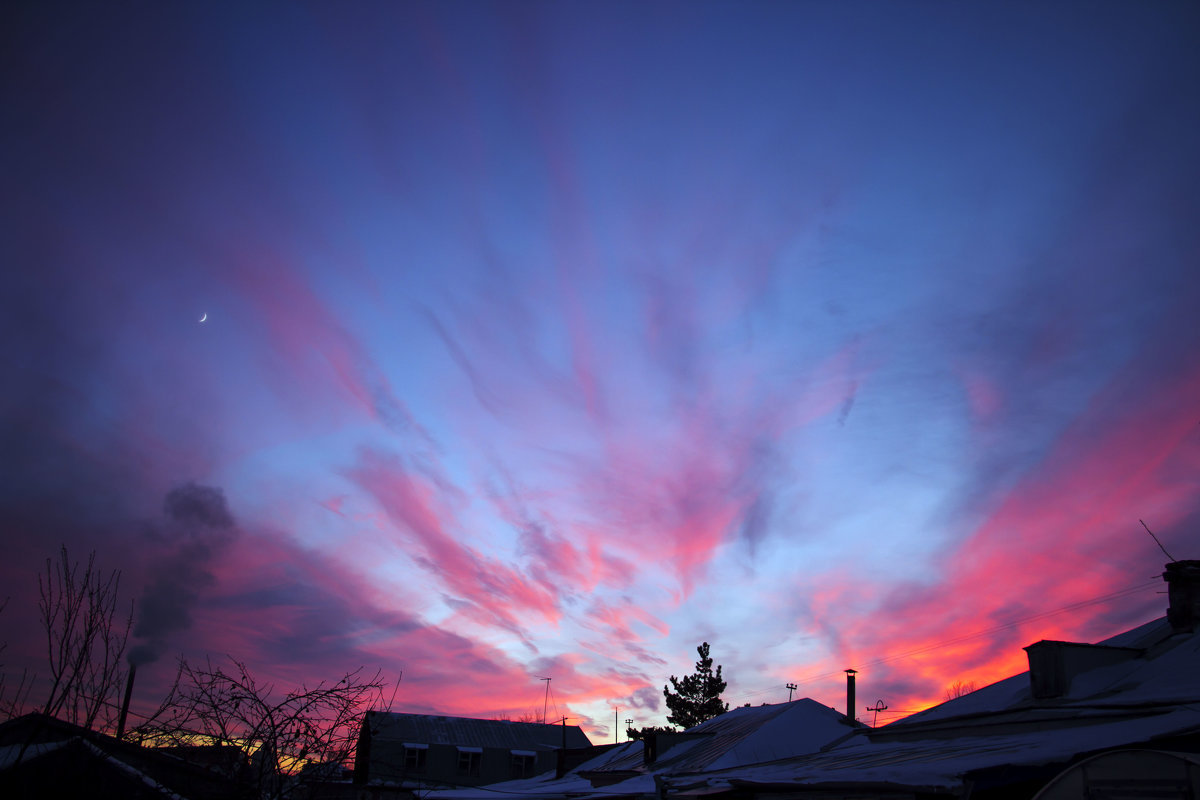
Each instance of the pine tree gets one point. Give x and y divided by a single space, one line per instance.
696 698
635 734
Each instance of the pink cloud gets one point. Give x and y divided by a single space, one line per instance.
334 504
1067 534
617 620
983 395
414 505
314 344
674 494
298 616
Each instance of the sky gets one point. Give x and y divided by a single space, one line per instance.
483 343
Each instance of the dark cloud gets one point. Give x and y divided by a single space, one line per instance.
198 531
647 697
198 507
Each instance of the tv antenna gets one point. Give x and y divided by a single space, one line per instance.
879 706
546 700
1156 541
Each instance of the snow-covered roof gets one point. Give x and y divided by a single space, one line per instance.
547 786
31 753
742 736
747 735
10 753
1150 693
1165 669
940 763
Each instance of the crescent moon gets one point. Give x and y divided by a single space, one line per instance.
204 317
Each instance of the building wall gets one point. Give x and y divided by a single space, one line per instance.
442 765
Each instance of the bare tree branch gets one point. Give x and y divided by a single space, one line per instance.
277 734
84 640
959 688
12 700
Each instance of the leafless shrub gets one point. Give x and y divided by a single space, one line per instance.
532 715
278 735
959 688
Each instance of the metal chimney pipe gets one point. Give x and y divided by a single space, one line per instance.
850 694
1183 595
125 702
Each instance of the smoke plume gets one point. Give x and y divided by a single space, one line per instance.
197 529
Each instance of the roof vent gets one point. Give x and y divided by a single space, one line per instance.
1053 665
1183 595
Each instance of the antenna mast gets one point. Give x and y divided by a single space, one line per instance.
546 700
879 706
1156 541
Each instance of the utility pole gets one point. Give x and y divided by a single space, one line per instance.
546 700
791 687
628 723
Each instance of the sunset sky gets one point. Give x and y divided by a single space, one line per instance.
553 339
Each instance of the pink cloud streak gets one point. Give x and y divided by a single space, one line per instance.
488 585
1068 533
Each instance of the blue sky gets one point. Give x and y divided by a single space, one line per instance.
556 338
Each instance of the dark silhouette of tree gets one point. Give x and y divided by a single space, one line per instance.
274 743
12 699
532 715
696 698
959 688
636 734
311 728
85 640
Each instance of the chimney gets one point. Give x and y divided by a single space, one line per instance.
1054 665
649 748
1183 595
850 673
125 703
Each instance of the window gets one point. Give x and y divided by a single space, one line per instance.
468 760
523 764
414 759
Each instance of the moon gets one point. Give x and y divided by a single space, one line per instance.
204 317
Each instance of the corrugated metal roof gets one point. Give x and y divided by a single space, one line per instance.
466 732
